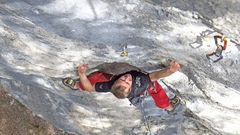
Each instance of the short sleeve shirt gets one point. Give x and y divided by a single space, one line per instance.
140 83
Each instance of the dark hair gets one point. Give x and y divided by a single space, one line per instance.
119 92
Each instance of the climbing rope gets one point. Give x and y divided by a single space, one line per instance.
145 120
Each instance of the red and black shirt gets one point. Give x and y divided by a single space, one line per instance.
140 83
